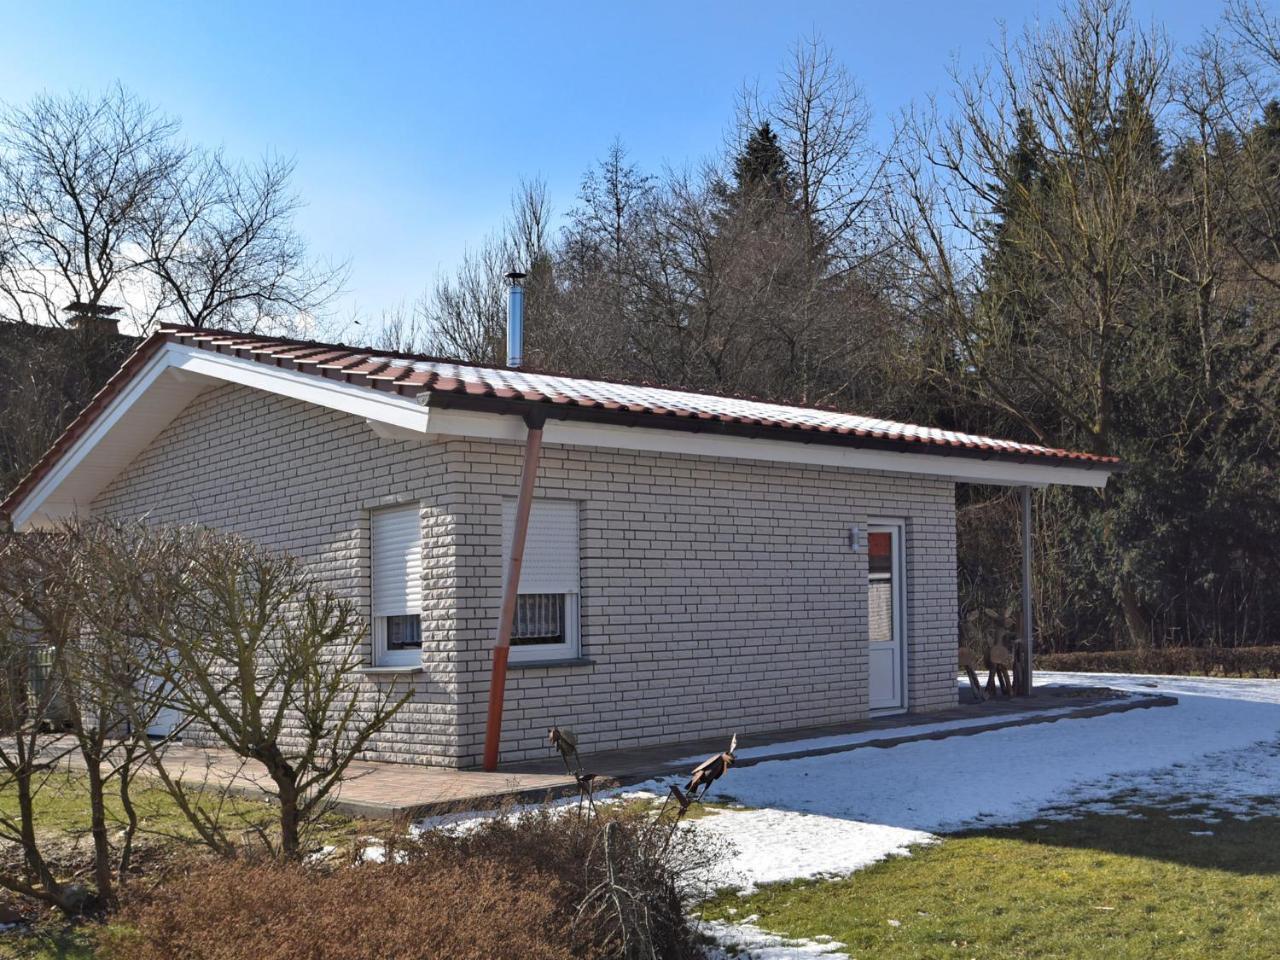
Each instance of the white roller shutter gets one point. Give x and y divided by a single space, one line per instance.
396 553
550 549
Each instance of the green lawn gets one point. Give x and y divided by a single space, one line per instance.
63 819
1104 886
61 806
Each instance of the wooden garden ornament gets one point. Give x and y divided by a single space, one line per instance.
999 660
968 663
711 770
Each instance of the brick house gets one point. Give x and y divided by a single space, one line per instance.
692 564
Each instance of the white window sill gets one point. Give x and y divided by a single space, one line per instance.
393 668
550 662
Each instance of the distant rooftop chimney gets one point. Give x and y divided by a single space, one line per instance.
515 320
93 317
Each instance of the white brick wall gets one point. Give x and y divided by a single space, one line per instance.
716 595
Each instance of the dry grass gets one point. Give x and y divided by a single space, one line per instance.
541 884
270 911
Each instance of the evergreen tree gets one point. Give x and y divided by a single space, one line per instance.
761 169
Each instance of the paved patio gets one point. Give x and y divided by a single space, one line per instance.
389 790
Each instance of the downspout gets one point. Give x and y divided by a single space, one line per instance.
1027 625
511 585
510 589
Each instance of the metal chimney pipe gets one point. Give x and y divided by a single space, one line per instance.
515 320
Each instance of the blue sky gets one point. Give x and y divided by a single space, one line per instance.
411 123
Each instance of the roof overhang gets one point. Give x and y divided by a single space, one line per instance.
152 396
570 427
164 376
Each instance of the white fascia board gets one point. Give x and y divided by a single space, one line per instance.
364 402
492 426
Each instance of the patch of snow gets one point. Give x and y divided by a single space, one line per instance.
769 846
1013 774
316 856
746 941
1218 688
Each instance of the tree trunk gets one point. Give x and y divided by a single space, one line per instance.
131 813
290 842
102 872
1135 618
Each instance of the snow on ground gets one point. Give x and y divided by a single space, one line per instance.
775 845
747 941
1217 753
834 814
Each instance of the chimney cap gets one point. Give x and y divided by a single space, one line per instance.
90 309
516 276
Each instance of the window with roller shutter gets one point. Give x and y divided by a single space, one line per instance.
396 585
546 621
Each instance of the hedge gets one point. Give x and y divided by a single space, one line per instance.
1178 661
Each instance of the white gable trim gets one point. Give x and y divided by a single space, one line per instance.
165 385
364 402
967 469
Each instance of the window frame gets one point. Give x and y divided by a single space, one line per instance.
570 648
382 656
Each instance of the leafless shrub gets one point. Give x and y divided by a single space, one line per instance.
628 875
265 663
72 665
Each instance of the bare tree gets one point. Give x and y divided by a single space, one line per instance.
100 201
75 178
823 121
218 240
266 664
35 602
78 690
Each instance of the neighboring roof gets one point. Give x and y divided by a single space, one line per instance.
450 383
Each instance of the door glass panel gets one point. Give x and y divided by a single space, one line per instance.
880 586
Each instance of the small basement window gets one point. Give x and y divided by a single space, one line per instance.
396 586
546 620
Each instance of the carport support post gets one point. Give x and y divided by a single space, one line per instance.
510 588
1026 588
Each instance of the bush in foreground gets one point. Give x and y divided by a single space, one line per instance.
274 911
546 884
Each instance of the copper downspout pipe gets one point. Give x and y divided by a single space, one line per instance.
510 589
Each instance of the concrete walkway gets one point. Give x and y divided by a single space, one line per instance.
1046 706
377 790
390 790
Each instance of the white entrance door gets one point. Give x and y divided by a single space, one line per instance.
885 616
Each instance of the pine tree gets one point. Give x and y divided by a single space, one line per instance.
761 169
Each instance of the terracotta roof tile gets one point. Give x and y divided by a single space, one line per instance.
415 373
436 375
